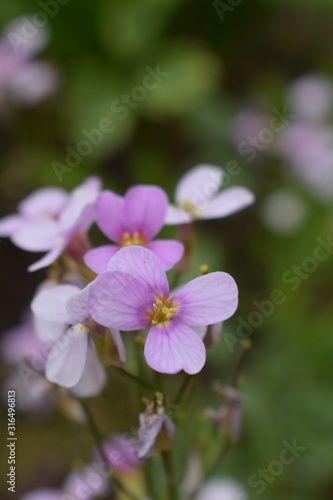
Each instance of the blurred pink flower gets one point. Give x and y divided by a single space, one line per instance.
198 196
72 361
23 80
50 220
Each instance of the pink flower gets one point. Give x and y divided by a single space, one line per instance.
63 319
134 219
22 80
134 294
198 196
154 423
311 97
43 494
120 453
21 343
50 220
43 204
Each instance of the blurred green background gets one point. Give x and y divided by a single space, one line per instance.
216 66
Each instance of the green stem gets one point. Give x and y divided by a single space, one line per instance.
97 437
183 388
134 378
169 467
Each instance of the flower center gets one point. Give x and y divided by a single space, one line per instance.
80 329
136 238
188 206
163 311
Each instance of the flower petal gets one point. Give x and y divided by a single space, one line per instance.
93 377
143 265
97 259
9 224
118 300
77 305
174 347
177 215
43 202
48 259
66 360
207 300
43 495
109 215
199 185
169 252
228 202
50 304
36 236
145 210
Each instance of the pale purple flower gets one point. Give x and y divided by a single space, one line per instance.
221 489
87 484
120 453
65 322
21 343
43 494
246 124
134 294
311 97
153 423
134 219
43 204
198 196
309 149
47 221
24 81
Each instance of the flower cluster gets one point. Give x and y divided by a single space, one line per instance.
93 295
23 80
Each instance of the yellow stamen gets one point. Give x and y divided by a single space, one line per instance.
163 311
133 239
188 206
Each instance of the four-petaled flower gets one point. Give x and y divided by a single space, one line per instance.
134 294
43 227
134 219
197 196
64 320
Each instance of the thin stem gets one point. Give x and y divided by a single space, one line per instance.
245 346
170 475
183 388
97 437
136 379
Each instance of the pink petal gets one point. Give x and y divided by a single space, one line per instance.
109 215
207 299
174 347
120 301
169 252
34 82
43 202
145 210
9 224
37 236
97 259
50 304
43 495
143 265
177 215
66 360
49 331
93 377
79 212
48 259
77 306
228 202
199 185
118 341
